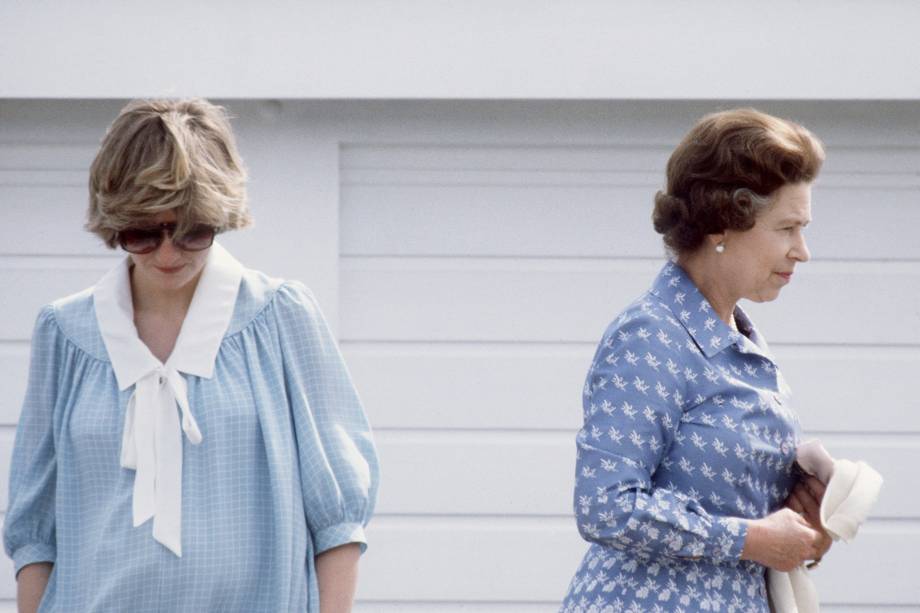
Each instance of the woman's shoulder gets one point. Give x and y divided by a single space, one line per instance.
646 312
260 292
648 321
73 317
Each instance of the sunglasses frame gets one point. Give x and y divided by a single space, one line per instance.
167 229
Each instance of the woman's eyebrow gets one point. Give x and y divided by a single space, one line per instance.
799 221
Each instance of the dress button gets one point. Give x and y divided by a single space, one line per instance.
162 379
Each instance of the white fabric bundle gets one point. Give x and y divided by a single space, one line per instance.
852 490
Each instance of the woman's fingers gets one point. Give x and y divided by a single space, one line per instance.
812 539
808 505
811 494
825 544
816 488
812 505
787 539
808 493
822 542
793 503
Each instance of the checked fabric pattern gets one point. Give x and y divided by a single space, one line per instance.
287 467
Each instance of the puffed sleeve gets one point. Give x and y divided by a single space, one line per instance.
338 461
633 401
28 531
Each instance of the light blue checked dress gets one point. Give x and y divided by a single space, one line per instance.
687 433
285 470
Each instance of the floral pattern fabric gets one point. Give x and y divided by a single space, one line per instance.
687 434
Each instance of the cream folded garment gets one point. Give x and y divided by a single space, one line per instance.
852 489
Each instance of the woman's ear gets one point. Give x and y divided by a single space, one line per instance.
713 241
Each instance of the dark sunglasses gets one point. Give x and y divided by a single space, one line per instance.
149 238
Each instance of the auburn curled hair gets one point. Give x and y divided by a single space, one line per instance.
160 155
724 171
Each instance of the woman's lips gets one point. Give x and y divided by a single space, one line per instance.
169 271
785 275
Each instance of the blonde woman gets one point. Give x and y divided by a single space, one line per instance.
190 438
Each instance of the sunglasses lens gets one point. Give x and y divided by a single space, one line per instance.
198 238
139 240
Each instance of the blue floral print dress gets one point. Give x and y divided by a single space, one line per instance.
687 433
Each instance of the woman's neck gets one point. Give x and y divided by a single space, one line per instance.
148 298
704 273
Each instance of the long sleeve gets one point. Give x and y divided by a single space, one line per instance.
29 528
633 405
338 461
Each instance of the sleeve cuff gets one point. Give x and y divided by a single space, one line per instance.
340 534
32 553
730 542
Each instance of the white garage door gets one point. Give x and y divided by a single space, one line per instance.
470 255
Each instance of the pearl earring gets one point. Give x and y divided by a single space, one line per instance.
720 248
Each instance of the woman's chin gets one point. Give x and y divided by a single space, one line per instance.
169 279
765 296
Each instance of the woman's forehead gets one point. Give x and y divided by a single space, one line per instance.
169 216
792 202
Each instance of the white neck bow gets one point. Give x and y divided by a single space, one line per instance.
152 435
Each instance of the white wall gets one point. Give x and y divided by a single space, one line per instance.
513 49
470 255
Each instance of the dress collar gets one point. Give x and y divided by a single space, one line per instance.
202 330
676 289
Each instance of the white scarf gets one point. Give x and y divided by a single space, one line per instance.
152 436
852 489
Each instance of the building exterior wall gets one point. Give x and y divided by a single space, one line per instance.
478 49
469 255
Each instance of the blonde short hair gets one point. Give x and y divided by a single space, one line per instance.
160 155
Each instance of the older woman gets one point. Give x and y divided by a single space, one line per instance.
686 457
190 438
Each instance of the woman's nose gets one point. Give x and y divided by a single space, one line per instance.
800 252
167 251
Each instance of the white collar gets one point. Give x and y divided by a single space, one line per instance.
202 331
152 437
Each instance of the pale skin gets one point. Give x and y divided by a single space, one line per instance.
162 286
756 264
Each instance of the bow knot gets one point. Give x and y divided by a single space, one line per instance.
152 446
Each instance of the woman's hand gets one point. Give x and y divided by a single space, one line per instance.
782 540
805 500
